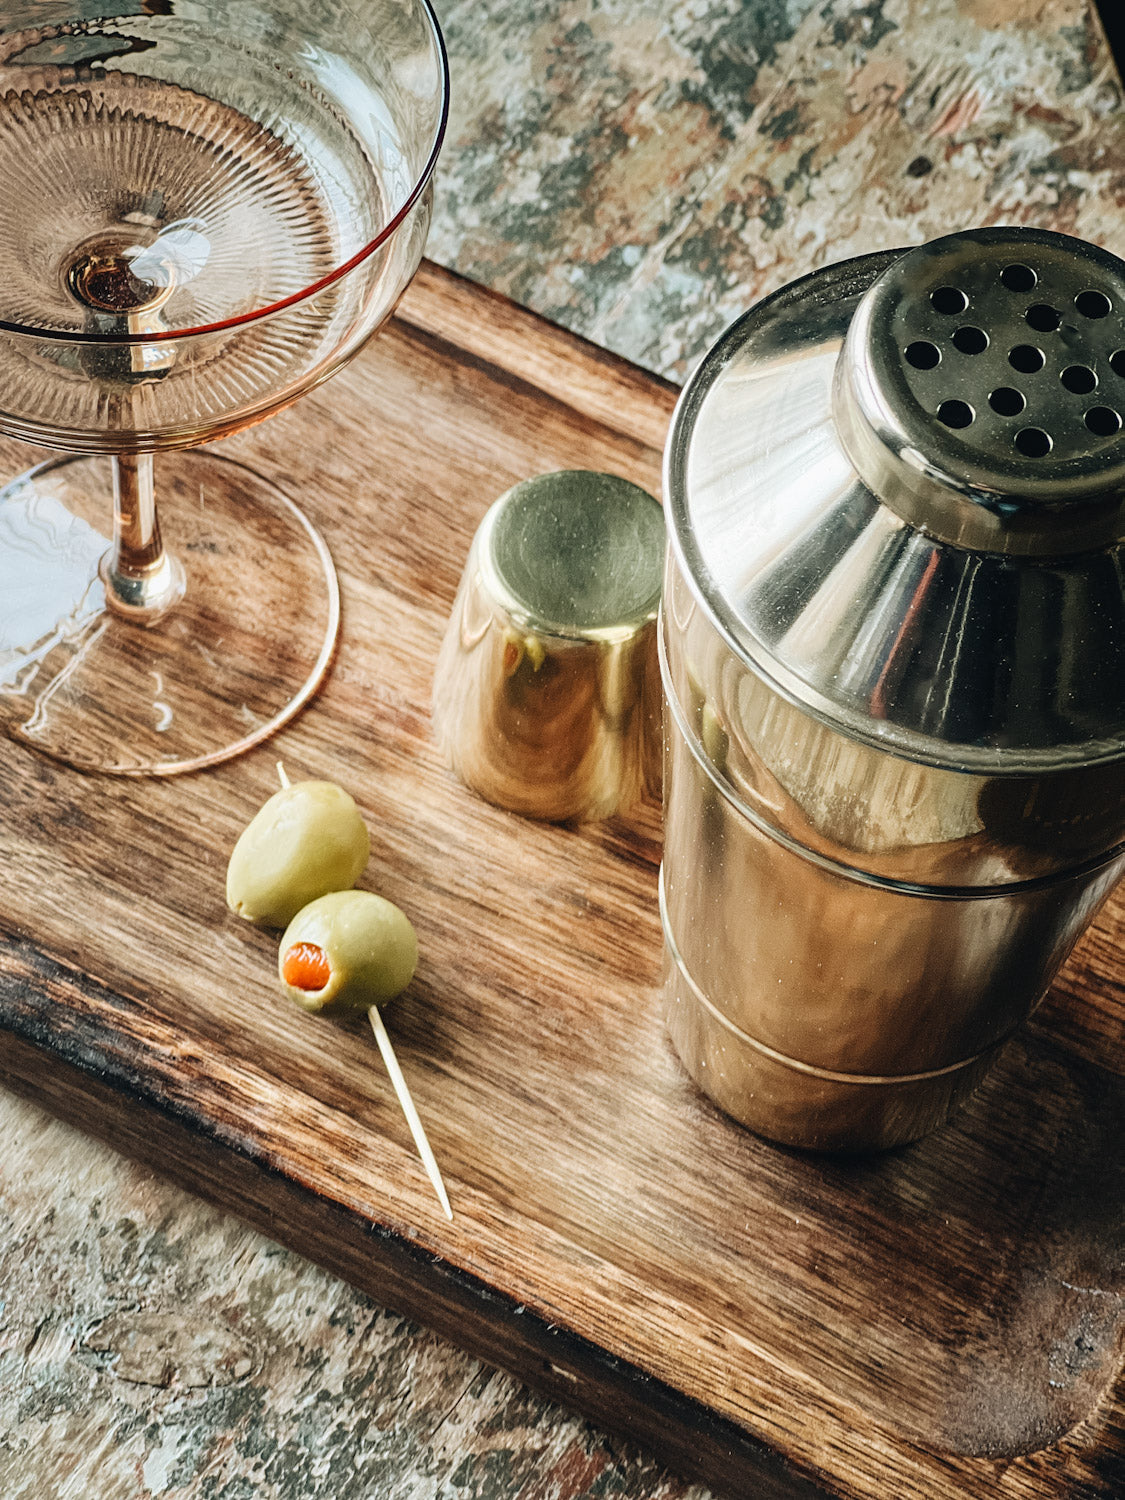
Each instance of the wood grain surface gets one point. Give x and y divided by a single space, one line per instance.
942 1322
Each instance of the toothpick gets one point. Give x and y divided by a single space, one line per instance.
281 776
416 1129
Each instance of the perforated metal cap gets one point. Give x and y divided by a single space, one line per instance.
981 393
986 630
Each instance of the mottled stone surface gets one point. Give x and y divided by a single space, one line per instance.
640 172
150 1346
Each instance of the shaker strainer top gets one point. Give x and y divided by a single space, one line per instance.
982 391
897 488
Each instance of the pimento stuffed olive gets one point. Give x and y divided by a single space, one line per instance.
348 950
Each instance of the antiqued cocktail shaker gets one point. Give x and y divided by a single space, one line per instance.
893 655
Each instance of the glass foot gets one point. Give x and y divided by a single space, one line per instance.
241 653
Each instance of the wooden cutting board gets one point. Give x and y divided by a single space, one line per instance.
945 1321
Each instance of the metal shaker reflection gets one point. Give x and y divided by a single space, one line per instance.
547 688
894 662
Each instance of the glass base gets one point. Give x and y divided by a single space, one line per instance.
238 656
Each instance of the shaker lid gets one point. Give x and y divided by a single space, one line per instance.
545 685
898 488
981 391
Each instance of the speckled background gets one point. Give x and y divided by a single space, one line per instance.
150 1346
640 170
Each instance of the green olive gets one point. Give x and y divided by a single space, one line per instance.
347 951
308 839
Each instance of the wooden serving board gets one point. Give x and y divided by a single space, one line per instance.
945 1321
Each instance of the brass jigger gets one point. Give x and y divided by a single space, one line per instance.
547 688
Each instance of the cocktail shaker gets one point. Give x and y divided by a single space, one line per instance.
893 655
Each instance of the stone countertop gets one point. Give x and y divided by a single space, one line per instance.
643 172
640 173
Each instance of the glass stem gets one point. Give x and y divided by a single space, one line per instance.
142 581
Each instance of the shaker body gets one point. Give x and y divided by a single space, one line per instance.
817 999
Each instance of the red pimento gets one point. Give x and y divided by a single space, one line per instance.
306 967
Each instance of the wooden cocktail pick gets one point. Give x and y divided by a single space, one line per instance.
416 1128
